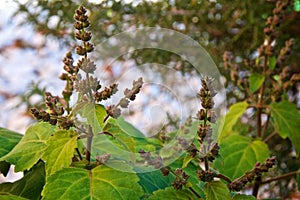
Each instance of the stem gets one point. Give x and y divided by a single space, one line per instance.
89 144
259 122
256 185
287 175
225 178
206 163
270 136
79 154
194 192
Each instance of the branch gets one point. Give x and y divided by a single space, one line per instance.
287 175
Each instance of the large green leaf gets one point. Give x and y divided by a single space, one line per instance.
129 128
231 118
152 181
170 193
120 146
60 150
8 140
216 190
243 197
286 119
30 186
255 81
239 154
298 179
31 147
100 183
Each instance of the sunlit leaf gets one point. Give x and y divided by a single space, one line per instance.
60 150
100 183
255 81
171 193
30 186
239 154
31 147
286 119
216 190
7 196
231 118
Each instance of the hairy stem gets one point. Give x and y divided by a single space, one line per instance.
270 136
287 175
225 178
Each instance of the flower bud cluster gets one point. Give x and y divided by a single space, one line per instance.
54 114
180 180
130 95
150 160
257 171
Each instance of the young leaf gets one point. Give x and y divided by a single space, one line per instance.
239 154
243 197
8 140
234 113
272 62
255 81
30 186
216 190
60 150
100 183
31 147
286 119
171 193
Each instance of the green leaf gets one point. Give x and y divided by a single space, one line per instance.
94 114
170 193
60 150
231 118
30 186
8 140
255 81
187 159
286 119
152 181
216 190
129 128
122 146
100 183
7 196
243 197
31 147
272 62
240 154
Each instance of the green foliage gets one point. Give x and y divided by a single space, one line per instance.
30 148
243 197
60 150
100 183
216 190
255 81
239 154
30 186
170 193
231 118
91 152
286 119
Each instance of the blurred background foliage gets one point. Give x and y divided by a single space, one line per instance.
218 25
